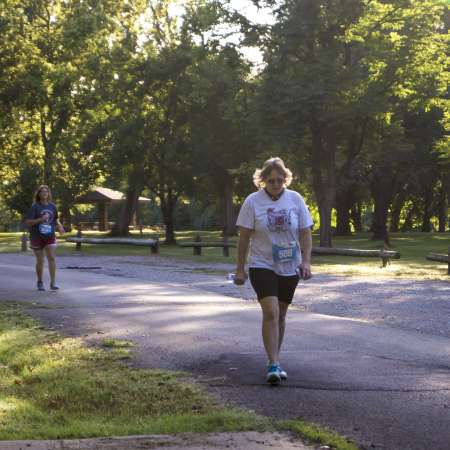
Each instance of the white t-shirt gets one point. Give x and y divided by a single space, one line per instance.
274 243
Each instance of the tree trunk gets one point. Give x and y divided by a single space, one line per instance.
355 214
348 181
396 211
380 215
48 154
229 227
325 208
443 207
66 217
382 187
170 226
121 227
427 211
168 202
343 205
324 176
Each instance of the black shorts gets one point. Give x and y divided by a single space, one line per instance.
267 283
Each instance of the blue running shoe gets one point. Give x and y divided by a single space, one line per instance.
273 374
283 373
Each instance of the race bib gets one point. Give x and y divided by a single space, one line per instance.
284 253
45 228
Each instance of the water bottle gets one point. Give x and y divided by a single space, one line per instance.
231 278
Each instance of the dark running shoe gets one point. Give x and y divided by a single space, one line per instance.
40 286
53 287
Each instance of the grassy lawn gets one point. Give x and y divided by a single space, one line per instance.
412 246
316 433
54 387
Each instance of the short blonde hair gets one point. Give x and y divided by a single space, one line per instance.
260 175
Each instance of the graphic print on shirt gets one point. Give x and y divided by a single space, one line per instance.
46 227
278 221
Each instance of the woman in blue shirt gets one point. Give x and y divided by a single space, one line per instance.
42 220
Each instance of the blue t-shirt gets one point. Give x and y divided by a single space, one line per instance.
44 229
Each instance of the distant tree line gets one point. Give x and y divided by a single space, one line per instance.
157 100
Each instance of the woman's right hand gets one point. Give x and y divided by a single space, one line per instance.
240 277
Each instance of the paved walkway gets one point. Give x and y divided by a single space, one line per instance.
384 387
419 305
185 441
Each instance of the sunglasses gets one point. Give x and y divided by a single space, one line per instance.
279 180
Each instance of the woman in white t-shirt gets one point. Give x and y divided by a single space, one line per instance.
275 223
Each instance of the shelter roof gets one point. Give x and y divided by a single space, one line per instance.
102 194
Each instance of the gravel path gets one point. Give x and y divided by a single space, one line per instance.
422 306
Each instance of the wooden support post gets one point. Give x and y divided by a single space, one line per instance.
24 241
197 248
384 259
103 208
155 248
79 235
225 248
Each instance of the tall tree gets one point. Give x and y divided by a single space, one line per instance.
335 67
222 126
52 84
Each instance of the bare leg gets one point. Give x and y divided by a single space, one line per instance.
50 253
283 307
39 264
270 327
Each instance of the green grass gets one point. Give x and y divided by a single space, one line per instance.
117 343
318 434
413 247
53 387
10 242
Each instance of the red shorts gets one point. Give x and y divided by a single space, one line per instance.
41 242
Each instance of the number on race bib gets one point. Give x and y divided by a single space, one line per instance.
284 253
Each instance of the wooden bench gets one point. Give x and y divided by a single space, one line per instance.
440 257
153 244
385 255
198 244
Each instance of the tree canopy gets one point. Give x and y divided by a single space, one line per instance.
159 98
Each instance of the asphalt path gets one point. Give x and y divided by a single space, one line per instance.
384 387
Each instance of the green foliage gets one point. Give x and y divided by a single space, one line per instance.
9 219
340 79
49 94
158 97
